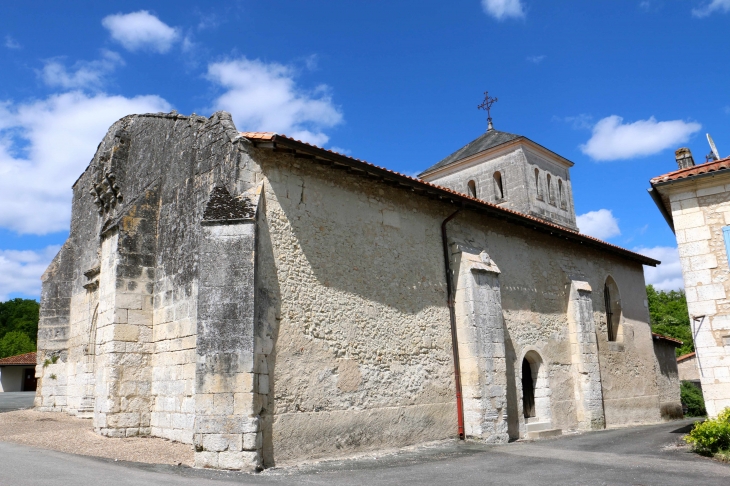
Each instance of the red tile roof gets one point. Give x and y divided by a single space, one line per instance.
274 138
706 168
676 342
21 359
685 357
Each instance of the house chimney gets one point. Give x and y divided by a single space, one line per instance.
684 158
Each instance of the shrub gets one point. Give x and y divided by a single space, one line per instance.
692 398
711 436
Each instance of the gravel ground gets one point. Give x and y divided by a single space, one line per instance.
61 432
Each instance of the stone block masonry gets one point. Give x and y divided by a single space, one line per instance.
227 382
700 211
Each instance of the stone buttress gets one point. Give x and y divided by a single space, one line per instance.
227 423
584 356
480 332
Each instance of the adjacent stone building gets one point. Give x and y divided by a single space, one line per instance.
269 301
695 201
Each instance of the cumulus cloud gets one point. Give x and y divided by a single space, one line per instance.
83 74
600 224
45 145
11 43
668 275
503 9
141 31
21 270
712 7
614 140
264 97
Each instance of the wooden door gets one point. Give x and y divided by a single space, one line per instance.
29 380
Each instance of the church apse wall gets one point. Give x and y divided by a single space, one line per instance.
269 307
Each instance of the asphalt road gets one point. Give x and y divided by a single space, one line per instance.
636 456
16 400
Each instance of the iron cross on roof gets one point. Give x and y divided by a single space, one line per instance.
487 106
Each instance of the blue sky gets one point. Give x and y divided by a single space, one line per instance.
615 86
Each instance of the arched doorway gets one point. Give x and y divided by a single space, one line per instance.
528 390
535 389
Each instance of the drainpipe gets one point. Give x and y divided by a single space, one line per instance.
452 316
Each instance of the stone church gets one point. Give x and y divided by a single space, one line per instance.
268 301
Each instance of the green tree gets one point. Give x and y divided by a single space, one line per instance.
669 316
15 342
18 326
693 399
19 315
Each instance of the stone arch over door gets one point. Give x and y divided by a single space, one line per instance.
540 385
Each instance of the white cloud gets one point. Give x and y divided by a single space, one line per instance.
713 6
578 122
21 270
502 9
11 43
668 275
600 224
45 145
264 97
141 31
536 59
614 140
340 150
83 74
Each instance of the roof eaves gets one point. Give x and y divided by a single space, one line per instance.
685 357
361 167
661 337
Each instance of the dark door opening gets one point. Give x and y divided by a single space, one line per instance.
528 390
29 380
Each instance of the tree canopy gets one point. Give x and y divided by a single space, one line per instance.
669 316
18 326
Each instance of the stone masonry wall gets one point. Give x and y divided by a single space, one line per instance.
700 211
358 329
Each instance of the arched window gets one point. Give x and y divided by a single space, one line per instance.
612 302
472 186
498 186
537 181
549 188
560 192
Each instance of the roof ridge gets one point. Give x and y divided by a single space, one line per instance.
646 259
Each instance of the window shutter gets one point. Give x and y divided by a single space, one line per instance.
726 237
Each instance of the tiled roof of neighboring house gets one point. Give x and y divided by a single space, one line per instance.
661 199
685 357
722 164
21 359
662 337
357 166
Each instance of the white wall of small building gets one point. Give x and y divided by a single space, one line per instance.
11 378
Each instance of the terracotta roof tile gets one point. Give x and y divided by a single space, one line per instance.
667 338
21 359
272 137
259 135
706 168
685 357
